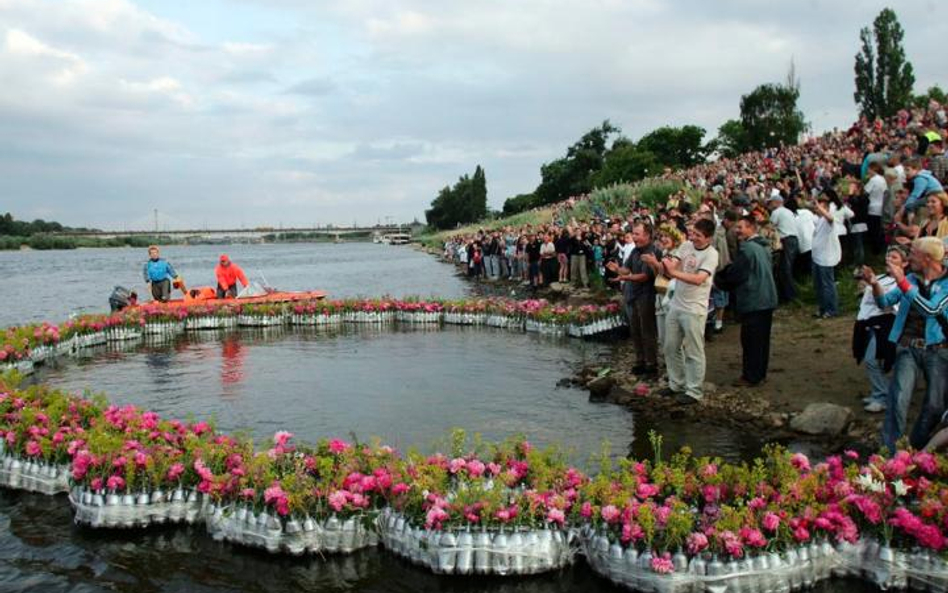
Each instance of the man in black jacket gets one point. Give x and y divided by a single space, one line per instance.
751 278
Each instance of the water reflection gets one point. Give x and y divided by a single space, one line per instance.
41 550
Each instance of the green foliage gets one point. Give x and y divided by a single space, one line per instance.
465 202
572 174
519 203
934 93
731 140
625 163
769 116
676 147
884 77
11 226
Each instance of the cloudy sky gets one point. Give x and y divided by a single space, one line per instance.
300 112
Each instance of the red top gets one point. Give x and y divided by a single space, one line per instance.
228 276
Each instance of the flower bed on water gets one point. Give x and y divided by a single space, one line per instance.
779 523
23 347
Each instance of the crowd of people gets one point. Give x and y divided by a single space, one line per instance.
762 224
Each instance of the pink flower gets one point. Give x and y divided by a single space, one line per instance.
475 468
33 449
175 471
753 537
800 461
770 522
663 564
338 500
493 469
115 483
696 543
586 510
644 491
610 514
456 465
282 437
96 484
435 517
556 516
400 488
801 534
338 446
203 471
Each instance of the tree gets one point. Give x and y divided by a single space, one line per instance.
624 163
676 147
769 116
884 78
934 94
572 174
731 140
464 203
519 203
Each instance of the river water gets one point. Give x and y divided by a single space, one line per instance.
408 387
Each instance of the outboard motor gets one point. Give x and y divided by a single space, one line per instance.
121 297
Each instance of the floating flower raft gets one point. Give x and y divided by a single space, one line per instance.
21 348
684 524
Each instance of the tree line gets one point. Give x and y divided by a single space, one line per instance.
769 117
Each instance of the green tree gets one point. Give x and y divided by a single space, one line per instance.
769 115
624 163
731 140
572 174
463 203
519 203
884 77
676 147
934 93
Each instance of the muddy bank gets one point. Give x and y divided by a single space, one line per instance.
811 365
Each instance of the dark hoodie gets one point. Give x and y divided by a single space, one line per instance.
751 277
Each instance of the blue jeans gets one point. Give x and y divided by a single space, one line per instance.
908 361
824 282
878 382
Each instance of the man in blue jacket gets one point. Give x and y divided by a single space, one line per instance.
923 184
919 332
158 275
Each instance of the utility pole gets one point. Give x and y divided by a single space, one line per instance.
156 221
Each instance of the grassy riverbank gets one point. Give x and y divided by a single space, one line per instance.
435 239
44 242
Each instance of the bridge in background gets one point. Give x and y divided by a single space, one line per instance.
254 234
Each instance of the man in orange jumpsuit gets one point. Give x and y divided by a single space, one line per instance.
228 273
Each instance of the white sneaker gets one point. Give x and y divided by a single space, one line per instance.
718 324
874 407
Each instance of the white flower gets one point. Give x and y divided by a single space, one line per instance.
901 488
865 481
878 487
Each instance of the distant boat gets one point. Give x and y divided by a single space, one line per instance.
396 238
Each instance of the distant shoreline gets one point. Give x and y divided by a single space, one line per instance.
69 244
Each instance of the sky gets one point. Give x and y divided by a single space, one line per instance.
246 113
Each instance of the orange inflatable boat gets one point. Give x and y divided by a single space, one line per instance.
208 296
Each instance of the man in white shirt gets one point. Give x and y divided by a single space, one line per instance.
786 224
872 326
692 266
875 189
806 226
827 252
